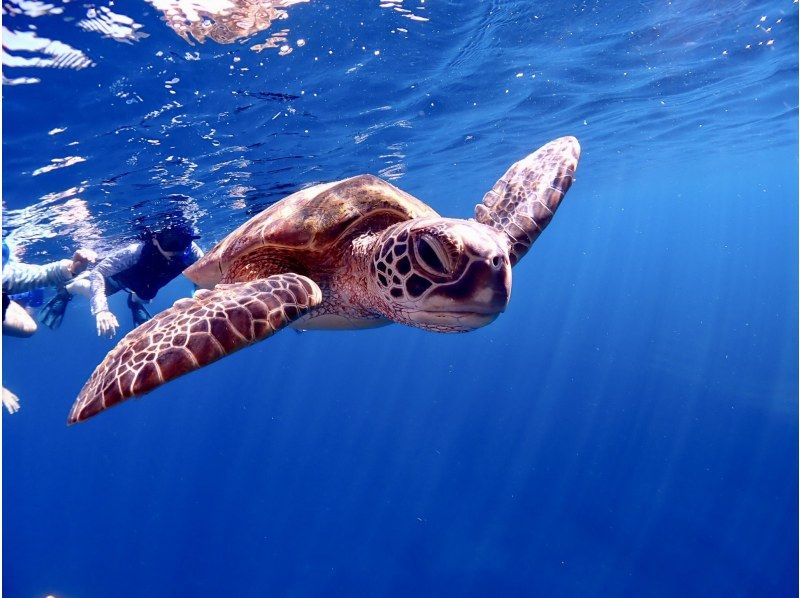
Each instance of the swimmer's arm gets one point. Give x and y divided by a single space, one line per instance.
120 260
18 277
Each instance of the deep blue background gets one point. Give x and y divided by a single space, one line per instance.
628 427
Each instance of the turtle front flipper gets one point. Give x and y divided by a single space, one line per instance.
193 333
524 200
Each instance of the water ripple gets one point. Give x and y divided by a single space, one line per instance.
52 53
114 26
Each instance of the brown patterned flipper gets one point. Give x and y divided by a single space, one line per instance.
193 333
524 200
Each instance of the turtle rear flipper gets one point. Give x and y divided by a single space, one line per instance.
193 333
522 203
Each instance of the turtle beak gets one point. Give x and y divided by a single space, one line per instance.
490 282
479 296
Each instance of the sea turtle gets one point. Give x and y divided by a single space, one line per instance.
354 253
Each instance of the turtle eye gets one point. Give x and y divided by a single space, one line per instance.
432 256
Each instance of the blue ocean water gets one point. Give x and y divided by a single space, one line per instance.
629 427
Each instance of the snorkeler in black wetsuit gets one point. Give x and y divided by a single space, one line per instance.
140 269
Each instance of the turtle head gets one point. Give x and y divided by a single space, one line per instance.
441 274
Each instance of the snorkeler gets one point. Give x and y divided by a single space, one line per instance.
140 269
22 279
20 285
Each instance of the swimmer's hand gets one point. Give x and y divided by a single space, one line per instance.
10 401
106 324
81 259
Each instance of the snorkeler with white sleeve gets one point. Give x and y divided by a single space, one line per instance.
141 269
19 281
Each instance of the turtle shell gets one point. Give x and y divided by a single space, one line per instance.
310 222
